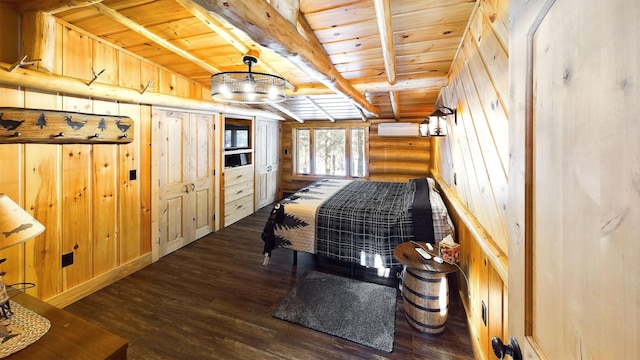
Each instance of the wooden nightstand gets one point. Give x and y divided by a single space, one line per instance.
69 337
425 289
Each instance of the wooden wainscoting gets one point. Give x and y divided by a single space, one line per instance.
484 292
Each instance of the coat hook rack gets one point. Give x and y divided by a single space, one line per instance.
20 125
146 87
95 76
22 62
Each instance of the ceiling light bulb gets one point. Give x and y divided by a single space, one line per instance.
248 87
223 89
273 93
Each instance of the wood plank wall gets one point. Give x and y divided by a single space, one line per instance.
83 194
471 166
390 158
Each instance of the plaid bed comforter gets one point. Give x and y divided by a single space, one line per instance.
364 222
361 221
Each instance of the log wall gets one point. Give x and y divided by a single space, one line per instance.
390 158
85 195
470 165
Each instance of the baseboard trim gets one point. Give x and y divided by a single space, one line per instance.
89 287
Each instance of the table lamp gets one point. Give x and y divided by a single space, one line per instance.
16 226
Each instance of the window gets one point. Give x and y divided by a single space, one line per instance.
331 151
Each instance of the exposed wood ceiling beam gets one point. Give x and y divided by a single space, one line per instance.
289 9
305 30
268 28
58 84
361 113
54 6
383 15
395 103
319 108
107 11
284 110
382 86
216 25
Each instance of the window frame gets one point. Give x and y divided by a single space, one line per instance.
347 127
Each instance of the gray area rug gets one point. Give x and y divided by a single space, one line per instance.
351 309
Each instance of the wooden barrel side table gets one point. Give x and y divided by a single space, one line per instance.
425 290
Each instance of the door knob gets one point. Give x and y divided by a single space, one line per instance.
500 349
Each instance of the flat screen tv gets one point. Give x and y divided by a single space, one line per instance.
236 136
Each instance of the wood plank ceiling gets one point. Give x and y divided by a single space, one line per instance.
343 59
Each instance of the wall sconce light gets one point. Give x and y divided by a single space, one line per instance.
436 123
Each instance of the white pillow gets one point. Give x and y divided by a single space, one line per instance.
432 184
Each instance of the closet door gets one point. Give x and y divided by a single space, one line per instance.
267 147
201 174
185 178
174 181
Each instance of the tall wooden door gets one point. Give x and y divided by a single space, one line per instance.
201 163
266 152
574 179
185 178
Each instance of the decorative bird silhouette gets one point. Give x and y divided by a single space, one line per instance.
122 127
10 124
75 125
102 125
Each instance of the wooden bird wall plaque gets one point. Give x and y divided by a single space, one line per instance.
19 125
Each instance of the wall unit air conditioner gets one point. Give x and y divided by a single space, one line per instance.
396 129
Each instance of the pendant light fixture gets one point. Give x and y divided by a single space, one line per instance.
248 87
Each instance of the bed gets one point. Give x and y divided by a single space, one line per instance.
356 220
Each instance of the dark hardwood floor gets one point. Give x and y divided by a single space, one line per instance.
213 299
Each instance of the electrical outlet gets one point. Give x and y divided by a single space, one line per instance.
67 259
484 313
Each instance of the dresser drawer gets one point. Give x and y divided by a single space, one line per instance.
239 190
238 209
239 174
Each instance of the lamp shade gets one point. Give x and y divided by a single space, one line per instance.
16 225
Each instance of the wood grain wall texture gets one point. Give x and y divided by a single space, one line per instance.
472 163
94 200
390 158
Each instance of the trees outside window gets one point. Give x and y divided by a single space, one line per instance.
328 151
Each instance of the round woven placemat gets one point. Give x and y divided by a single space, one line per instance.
21 330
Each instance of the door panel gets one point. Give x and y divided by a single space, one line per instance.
173 181
267 147
573 188
175 229
203 210
186 178
202 174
